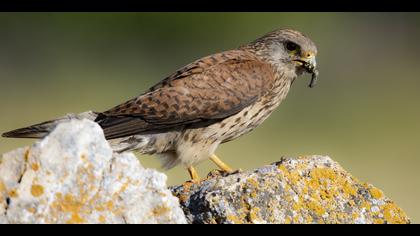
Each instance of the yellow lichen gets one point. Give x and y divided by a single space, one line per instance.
58 195
253 182
160 210
316 207
319 188
2 187
80 203
378 221
102 219
100 208
375 193
183 197
339 217
355 215
124 187
253 214
234 219
322 173
308 219
296 219
187 186
313 184
325 194
283 168
393 214
253 194
366 205
349 189
76 219
37 190
296 206
68 203
13 193
1 194
317 192
35 167
293 176
110 205
31 210
301 166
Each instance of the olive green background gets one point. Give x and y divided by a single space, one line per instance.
364 112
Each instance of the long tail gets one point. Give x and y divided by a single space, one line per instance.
43 129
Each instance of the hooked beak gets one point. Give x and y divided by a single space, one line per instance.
310 66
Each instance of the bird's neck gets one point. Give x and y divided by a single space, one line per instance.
280 67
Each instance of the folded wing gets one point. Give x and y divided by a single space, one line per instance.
203 92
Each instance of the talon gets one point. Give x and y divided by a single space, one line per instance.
193 174
237 171
224 173
224 167
217 172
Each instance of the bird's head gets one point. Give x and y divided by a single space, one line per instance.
288 50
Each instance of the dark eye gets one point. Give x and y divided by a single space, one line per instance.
290 46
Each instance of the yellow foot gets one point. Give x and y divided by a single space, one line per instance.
222 165
193 174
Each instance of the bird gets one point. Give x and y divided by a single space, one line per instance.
186 116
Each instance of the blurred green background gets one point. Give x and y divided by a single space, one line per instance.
364 112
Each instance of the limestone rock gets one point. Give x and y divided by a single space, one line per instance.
311 189
72 176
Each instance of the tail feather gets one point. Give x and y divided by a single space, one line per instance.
43 129
168 160
35 131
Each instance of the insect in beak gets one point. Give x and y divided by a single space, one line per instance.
314 78
310 66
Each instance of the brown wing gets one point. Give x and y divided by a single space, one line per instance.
203 92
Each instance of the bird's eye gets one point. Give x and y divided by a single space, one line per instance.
290 46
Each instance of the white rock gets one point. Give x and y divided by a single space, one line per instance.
72 176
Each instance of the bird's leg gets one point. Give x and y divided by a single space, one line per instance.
221 164
193 174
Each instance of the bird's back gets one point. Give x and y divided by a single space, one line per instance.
199 94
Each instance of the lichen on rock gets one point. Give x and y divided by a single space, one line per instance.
72 176
311 189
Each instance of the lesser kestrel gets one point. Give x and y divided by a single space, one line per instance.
216 99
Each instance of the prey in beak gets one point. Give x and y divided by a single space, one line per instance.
310 67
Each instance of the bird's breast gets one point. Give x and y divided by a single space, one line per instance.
254 115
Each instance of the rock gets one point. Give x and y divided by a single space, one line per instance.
311 189
72 176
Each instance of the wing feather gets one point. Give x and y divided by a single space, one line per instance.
205 91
